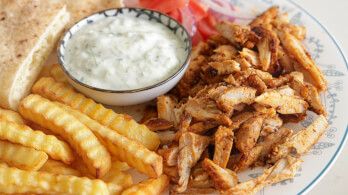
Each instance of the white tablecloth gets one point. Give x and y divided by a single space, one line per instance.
334 15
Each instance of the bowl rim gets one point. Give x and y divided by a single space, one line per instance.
68 33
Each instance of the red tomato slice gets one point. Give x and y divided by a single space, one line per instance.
175 14
166 6
199 9
206 26
147 3
197 38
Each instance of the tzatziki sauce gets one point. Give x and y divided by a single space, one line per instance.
123 53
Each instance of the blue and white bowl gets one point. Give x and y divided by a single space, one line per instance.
134 96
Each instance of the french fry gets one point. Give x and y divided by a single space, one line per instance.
115 189
136 155
13 116
24 135
116 164
21 157
82 139
116 176
121 123
150 186
57 73
13 180
56 167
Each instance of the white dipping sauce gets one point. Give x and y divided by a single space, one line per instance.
123 53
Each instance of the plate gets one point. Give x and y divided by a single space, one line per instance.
330 59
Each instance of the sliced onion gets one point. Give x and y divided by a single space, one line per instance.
227 12
188 20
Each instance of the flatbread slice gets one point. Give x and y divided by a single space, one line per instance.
29 30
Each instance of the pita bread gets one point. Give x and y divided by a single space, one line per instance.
29 30
79 9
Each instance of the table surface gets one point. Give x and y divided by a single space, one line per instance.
333 15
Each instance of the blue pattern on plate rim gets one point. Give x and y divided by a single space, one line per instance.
329 99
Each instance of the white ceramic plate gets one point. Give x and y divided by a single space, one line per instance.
330 59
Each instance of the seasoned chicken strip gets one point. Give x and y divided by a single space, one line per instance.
298 85
213 69
223 53
165 136
206 109
237 34
282 104
191 147
224 179
283 169
157 124
268 49
239 119
223 145
247 159
247 135
248 58
285 61
165 107
201 127
314 100
235 95
305 63
302 141
266 17
170 155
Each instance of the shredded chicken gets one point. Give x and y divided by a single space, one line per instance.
170 155
265 18
283 169
191 147
223 178
223 145
237 34
282 104
235 95
247 135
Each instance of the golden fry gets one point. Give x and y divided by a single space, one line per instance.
13 116
150 186
121 123
21 134
56 167
21 157
57 73
116 176
122 148
81 138
13 180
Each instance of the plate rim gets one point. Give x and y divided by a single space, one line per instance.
333 159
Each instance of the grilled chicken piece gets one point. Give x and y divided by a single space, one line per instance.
165 107
286 91
237 34
268 49
283 169
265 18
206 109
257 83
191 77
239 119
271 125
223 145
247 135
247 159
314 100
302 141
201 127
305 64
297 31
282 104
184 125
241 76
298 85
215 41
191 147
277 82
201 48
279 20
235 95
223 178
165 136
269 111
279 136
248 58
157 124
199 178
214 72
223 53
150 112
195 191
170 155
284 61
172 172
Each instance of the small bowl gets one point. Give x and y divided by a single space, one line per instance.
134 96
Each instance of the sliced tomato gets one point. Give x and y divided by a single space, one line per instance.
197 38
188 20
166 6
199 9
206 26
147 3
175 14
